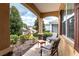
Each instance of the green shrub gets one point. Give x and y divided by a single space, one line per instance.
47 34
30 36
35 35
27 37
23 38
14 39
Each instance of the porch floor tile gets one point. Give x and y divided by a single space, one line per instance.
35 51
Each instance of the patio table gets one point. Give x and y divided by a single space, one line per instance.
41 43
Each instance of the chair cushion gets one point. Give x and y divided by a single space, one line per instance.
47 47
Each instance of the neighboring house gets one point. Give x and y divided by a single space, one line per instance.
24 31
54 27
29 30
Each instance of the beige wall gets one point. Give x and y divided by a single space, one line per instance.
4 26
66 47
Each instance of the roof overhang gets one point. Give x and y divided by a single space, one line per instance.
45 9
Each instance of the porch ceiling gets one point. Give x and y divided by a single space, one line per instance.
47 7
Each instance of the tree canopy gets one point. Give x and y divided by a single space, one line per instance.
36 26
15 21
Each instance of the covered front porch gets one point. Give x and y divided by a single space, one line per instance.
67 46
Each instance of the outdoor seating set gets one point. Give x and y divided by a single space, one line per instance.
52 46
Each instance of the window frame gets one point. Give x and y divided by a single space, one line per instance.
69 17
66 18
76 25
66 24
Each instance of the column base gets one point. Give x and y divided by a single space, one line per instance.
5 51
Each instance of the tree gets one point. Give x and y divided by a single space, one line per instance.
24 25
15 21
36 25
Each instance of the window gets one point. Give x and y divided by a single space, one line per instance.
70 27
68 21
63 27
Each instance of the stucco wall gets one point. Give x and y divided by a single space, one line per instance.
66 47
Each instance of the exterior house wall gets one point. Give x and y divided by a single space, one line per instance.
66 47
55 28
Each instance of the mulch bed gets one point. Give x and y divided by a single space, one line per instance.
21 49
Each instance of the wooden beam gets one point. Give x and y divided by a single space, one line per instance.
36 11
54 13
32 8
62 6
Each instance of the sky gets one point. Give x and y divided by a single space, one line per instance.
49 19
26 15
29 18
